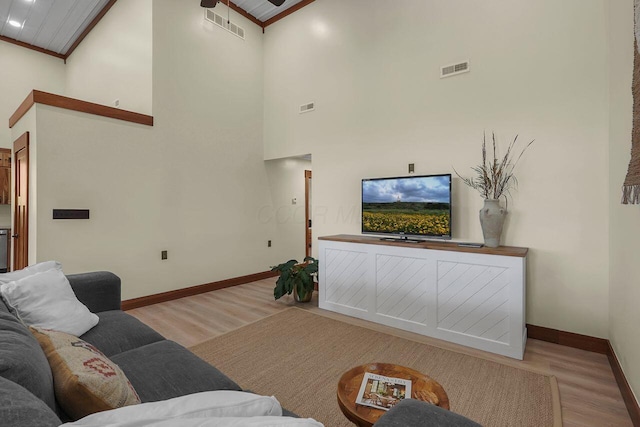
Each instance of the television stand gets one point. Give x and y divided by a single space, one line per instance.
469 296
401 239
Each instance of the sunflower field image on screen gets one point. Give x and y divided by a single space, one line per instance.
419 205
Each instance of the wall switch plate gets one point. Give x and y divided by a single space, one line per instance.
164 255
294 201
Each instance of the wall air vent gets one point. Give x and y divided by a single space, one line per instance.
305 108
222 22
454 69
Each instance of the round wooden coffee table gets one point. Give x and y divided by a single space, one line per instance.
422 388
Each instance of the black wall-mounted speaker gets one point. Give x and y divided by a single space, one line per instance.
71 214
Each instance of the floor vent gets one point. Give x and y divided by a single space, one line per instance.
454 69
305 108
222 22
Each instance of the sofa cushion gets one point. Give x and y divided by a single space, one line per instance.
219 403
118 332
85 380
20 408
30 271
46 300
22 360
165 369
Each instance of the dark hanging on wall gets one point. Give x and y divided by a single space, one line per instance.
631 187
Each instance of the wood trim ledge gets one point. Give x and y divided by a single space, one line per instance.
194 290
39 97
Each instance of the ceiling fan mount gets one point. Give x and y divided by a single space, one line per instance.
212 3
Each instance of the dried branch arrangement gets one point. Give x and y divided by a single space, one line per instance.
494 177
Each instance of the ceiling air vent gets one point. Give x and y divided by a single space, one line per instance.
453 69
305 108
222 22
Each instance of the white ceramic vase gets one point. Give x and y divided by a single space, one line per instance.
492 217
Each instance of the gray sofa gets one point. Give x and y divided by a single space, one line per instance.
157 368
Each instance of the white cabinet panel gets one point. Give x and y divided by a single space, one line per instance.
401 287
344 281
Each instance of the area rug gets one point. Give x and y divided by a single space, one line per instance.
299 357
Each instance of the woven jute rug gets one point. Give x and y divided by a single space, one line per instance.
299 357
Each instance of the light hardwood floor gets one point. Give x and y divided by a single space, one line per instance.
588 391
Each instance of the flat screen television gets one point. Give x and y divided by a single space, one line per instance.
407 206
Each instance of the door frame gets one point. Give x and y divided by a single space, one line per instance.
307 213
22 143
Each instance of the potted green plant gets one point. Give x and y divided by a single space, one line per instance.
494 178
296 278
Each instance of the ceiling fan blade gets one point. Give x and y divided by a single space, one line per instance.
276 2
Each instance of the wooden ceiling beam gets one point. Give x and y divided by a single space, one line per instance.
86 31
32 47
287 12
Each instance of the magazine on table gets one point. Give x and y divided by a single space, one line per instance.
382 392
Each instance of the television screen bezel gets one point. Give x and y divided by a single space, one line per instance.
402 234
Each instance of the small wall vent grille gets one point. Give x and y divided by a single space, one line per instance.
454 69
222 22
305 108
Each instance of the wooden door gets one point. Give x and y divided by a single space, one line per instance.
307 212
21 204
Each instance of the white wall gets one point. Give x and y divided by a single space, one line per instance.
193 184
538 69
624 238
286 182
115 60
23 70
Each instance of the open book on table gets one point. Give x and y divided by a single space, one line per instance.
382 392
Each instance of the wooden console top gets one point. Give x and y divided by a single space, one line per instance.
429 244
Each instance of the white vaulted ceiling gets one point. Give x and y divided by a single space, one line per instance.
55 25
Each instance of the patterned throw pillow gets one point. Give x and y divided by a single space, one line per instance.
84 379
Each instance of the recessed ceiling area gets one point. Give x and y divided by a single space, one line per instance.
56 27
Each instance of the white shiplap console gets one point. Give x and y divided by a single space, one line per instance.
469 296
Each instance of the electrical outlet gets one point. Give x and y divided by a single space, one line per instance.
268 243
116 103
294 201
164 255
412 167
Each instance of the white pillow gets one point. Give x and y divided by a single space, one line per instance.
220 403
46 300
30 271
213 422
